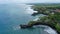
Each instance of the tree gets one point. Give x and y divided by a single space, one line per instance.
52 17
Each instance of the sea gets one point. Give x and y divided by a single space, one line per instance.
12 15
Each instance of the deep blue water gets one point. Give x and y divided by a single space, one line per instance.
12 15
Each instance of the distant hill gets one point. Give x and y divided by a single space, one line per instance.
44 4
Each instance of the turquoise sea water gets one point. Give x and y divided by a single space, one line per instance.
12 15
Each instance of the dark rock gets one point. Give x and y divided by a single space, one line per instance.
25 26
38 23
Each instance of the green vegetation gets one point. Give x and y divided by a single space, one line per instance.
52 17
58 27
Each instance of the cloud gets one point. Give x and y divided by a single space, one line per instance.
18 1
43 1
29 1
13 1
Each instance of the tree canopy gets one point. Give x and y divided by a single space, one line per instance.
52 15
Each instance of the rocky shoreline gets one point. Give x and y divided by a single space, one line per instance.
51 18
38 23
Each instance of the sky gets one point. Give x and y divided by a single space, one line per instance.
29 1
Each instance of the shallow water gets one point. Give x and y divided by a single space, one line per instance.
12 15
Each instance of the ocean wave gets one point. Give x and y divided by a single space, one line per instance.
29 10
16 27
46 29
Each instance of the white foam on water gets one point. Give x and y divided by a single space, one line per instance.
16 27
46 29
35 19
29 10
50 30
